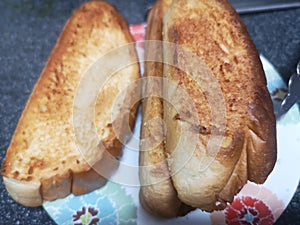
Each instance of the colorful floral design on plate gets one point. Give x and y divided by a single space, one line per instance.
109 205
138 33
248 211
86 216
279 94
254 205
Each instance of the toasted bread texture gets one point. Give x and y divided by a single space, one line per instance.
214 34
54 152
155 179
220 128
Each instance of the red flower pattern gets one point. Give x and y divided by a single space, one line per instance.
247 210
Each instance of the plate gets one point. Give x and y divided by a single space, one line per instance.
116 204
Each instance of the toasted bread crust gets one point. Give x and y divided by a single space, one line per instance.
43 149
214 32
156 184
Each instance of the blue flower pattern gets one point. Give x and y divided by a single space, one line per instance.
110 207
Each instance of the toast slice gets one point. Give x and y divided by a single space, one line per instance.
217 41
55 150
155 179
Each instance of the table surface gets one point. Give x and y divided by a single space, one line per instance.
28 32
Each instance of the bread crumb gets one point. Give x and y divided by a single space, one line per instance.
43 108
227 141
218 203
224 48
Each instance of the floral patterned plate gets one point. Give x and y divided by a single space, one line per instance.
116 204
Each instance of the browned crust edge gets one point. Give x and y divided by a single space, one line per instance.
33 194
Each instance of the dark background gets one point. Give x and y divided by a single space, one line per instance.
28 32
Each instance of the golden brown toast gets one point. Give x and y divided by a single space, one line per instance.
156 183
214 33
219 122
55 145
